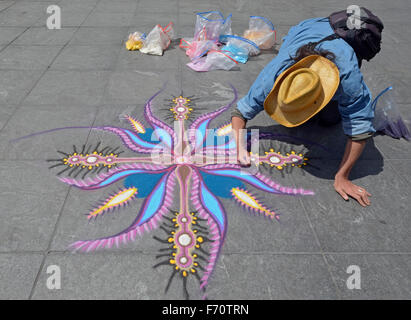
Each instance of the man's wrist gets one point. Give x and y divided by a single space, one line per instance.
341 176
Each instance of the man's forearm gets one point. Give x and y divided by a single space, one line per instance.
353 151
237 124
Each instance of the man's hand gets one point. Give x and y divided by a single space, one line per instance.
346 188
342 184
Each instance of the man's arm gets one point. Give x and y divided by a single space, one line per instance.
342 184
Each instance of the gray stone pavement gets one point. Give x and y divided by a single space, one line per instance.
82 75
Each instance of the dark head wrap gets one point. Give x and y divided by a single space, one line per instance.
366 40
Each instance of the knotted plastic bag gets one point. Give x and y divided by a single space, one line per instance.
261 31
387 117
158 40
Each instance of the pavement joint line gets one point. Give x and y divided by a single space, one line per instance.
401 176
46 252
10 43
4 9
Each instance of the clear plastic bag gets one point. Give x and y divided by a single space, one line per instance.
215 60
208 25
197 49
243 43
158 40
261 31
387 117
226 27
236 52
135 41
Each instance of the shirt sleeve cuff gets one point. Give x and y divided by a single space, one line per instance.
362 136
237 113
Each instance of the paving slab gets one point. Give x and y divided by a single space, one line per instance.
125 86
36 201
8 34
27 57
41 36
6 4
77 5
108 19
127 276
69 17
69 87
383 276
345 226
17 274
23 14
272 276
6 112
87 57
28 120
106 6
16 84
100 36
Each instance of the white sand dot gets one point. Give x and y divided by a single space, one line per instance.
274 159
184 239
91 159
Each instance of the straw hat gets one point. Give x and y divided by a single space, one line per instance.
302 91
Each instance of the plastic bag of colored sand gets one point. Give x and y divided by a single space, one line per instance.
135 41
158 40
387 117
215 60
261 31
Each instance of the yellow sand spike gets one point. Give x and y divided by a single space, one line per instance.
118 199
137 126
248 200
224 130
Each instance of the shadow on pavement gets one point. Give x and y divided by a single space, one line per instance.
324 147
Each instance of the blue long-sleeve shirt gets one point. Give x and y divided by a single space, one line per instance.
353 95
